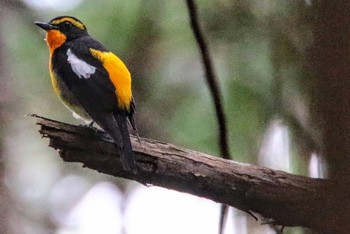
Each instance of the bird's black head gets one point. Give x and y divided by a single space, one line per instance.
70 26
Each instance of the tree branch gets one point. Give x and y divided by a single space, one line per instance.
280 197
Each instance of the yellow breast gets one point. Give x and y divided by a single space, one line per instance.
67 97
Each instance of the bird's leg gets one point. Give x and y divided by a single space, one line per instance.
138 137
91 124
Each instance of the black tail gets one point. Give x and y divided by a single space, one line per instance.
125 148
115 124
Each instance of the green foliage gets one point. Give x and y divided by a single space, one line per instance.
258 48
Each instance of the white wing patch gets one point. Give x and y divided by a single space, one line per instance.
81 68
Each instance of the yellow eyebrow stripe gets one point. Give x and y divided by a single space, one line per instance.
118 74
72 21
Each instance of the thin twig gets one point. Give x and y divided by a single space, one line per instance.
223 218
215 93
211 80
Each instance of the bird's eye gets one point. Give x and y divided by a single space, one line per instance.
67 24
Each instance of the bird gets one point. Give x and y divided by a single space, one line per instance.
91 81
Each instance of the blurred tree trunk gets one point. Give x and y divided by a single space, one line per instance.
332 65
9 221
4 193
5 198
330 59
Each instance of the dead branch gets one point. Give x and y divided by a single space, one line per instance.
280 197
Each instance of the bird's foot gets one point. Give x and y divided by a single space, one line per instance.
90 126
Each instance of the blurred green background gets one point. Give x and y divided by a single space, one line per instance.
258 49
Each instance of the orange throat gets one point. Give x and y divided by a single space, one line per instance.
55 39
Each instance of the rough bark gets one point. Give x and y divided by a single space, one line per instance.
280 197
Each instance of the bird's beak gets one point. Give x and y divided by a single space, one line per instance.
45 26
